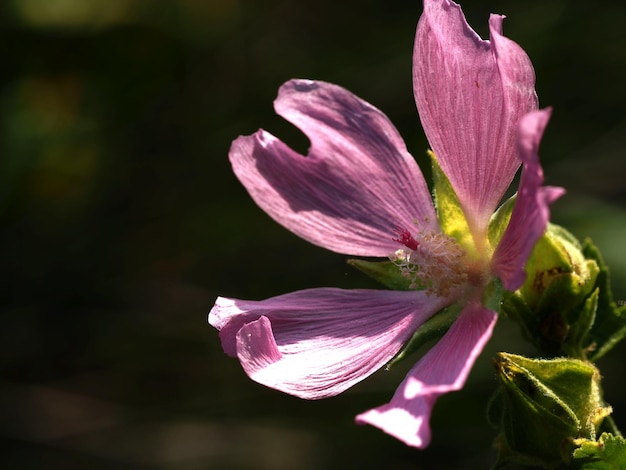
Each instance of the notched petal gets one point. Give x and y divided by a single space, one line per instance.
356 184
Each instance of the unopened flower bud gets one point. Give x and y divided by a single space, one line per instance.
543 406
556 305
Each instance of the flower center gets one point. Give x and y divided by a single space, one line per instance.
432 261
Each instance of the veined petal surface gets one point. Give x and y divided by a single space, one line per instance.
443 369
470 94
316 343
357 183
531 213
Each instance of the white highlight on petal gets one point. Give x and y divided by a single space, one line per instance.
317 343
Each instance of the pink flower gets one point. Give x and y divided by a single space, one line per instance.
359 192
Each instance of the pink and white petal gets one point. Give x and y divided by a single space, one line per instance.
531 213
443 369
470 94
316 343
357 183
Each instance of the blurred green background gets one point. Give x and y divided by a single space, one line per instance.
121 220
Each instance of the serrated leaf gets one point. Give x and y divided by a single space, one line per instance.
432 329
449 212
608 453
385 272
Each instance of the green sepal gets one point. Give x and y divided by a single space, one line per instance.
607 453
432 329
515 307
493 294
543 406
449 212
385 272
576 343
610 322
500 221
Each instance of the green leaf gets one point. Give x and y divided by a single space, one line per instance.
433 329
385 272
449 212
610 324
608 453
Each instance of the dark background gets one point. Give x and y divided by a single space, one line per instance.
121 220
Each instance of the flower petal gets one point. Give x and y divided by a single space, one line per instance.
470 94
531 212
317 343
357 183
443 369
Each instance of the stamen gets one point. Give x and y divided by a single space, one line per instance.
431 260
405 238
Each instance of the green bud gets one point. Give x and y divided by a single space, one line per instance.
557 304
543 407
556 266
